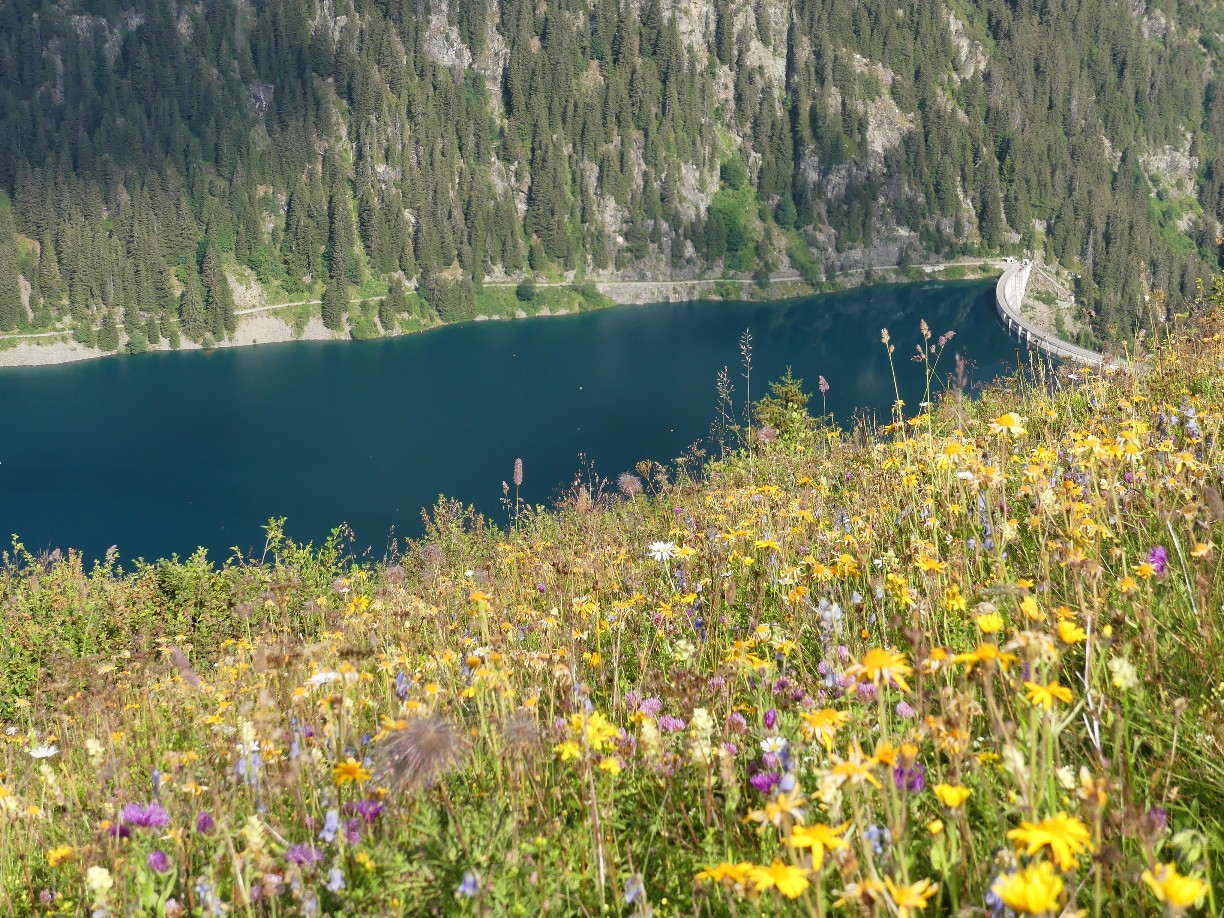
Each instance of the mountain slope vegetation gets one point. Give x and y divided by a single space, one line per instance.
151 149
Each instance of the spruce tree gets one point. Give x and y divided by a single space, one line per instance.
50 281
218 298
108 334
341 262
11 309
335 304
193 316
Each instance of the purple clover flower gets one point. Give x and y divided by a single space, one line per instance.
765 781
771 718
204 822
670 724
158 861
367 809
911 780
303 854
650 706
1158 557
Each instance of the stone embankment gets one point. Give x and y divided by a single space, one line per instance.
1009 295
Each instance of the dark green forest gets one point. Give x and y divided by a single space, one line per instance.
149 148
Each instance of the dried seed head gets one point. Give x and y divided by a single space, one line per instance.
629 484
415 756
521 730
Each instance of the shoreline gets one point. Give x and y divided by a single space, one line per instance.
259 325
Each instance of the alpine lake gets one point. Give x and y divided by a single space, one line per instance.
166 452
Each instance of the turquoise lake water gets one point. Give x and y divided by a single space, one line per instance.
162 453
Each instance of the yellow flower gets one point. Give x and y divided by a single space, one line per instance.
1031 610
1045 695
786 806
953 600
60 854
855 769
726 872
950 795
935 826
879 665
1173 889
1127 584
990 623
1032 891
820 839
1069 632
985 654
822 724
1064 835
1010 424
611 764
909 898
787 879
350 771
567 750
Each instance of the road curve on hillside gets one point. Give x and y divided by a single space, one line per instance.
1009 294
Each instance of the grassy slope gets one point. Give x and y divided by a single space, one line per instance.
553 713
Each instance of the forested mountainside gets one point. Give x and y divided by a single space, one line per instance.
150 148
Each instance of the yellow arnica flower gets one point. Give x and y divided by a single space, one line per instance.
1045 695
950 795
879 665
1031 610
350 771
990 623
789 880
1069 632
1011 424
1065 836
60 854
726 872
985 654
907 899
822 724
1173 889
1032 891
820 839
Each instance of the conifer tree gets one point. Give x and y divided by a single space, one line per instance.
108 333
193 316
11 309
50 281
335 304
218 298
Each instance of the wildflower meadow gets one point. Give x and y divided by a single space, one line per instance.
966 663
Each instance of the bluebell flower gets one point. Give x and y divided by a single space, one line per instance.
634 889
470 885
335 880
331 824
877 837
